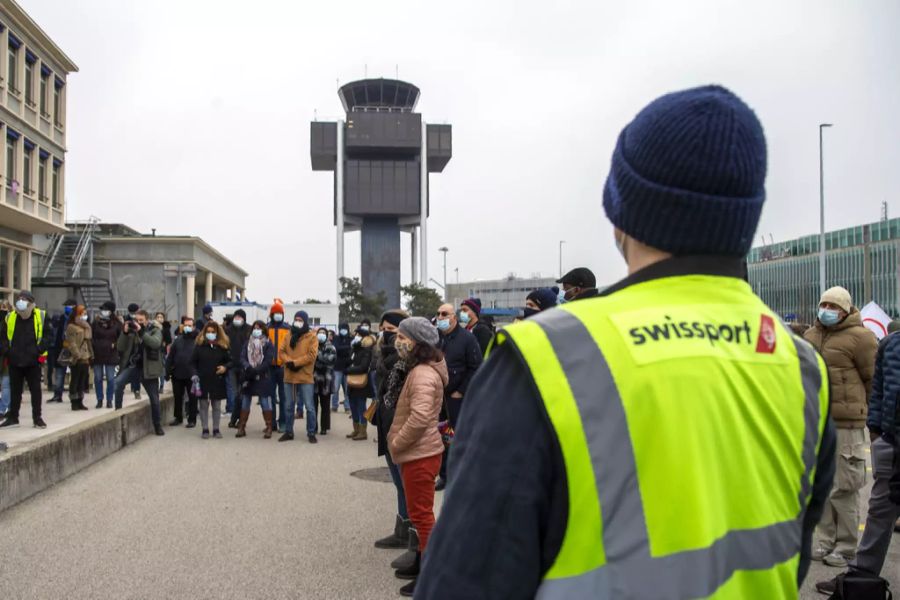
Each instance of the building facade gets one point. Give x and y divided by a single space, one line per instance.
33 75
499 297
863 259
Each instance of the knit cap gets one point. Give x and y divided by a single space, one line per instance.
394 316
277 307
108 305
688 174
133 308
474 304
207 309
544 297
420 329
839 297
240 313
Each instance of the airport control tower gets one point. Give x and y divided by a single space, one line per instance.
381 157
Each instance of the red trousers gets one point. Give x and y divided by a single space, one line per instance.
418 487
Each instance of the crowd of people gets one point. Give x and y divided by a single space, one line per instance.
663 437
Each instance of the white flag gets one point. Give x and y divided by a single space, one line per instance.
875 319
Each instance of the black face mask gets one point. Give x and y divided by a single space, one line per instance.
530 312
388 338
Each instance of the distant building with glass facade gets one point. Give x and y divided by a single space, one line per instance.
862 259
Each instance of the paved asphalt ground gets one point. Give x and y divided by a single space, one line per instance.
179 517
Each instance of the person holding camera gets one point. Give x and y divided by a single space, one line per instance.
141 349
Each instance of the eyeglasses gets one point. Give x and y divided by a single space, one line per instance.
445 314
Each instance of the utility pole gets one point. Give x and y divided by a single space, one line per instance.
561 242
445 250
822 126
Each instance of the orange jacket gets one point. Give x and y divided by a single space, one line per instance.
278 332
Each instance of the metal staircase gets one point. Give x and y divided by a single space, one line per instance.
70 254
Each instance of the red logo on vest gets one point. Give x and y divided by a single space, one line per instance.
765 343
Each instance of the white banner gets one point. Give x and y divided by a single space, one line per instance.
875 319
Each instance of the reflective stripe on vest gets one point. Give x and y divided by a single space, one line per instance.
608 548
11 319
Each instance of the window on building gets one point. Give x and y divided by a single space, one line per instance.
42 176
45 90
54 185
10 161
5 283
26 163
17 263
30 59
57 101
12 66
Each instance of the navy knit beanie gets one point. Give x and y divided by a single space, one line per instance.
544 297
688 174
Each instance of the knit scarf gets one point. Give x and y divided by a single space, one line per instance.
255 351
396 379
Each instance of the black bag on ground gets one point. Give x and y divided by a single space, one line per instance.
857 585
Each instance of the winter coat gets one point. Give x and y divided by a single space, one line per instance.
483 333
344 352
105 333
384 416
237 338
414 433
257 379
205 359
849 351
78 343
463 356
361 362
883 418
24 350
180 361
300 360
149 344
277 333
324 369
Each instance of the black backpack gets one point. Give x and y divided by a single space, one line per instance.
857 585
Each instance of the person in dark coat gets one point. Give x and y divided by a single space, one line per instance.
470 318
256 363
166 326
540 300
344 351
56 375
180 369
360 364
135 380
238 332
391 374
323 378
211 359
106 331
23 343
578 284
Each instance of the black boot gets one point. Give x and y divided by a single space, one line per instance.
413 571
398 539
408 590
408 558
175 422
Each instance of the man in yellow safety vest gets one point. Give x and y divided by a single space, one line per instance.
24 338
667 439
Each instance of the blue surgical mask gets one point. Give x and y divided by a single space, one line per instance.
188 329
344 332
464 318
66 309
443 324
561 297
829 316
322 337
211 336
257 333
23 304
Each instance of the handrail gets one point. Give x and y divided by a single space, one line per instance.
84 244
56 241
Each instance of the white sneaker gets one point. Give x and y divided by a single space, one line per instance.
836 560
820 552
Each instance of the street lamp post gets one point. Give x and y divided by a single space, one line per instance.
822 126
561 242
445 250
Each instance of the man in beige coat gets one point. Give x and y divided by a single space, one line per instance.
849 351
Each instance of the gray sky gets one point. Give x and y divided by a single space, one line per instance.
193 117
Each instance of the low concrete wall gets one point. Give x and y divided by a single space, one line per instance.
33 467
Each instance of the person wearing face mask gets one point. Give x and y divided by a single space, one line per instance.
206 318
470 318
58 378
540 300
324 380
644 457
24 340
342 345
180 369
105 331
140 349
166 327
278 332
5 309
298 354
81 351
577 284
365 328
210 361
135 382
238 331
361 362
849 350
464 357
256 366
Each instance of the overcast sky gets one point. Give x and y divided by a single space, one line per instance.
193 117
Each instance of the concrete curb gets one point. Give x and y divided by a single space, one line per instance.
31 468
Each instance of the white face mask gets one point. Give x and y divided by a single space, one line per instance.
299 324
84 317
238 322
322 337
104 314
21 304
278 317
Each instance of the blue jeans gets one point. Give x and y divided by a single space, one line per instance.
358 410
398 483
59 381
340 383
110 372
264 401
126 376
277 379
297 393
230 390
4 394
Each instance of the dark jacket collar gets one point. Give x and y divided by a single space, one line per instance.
722 266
